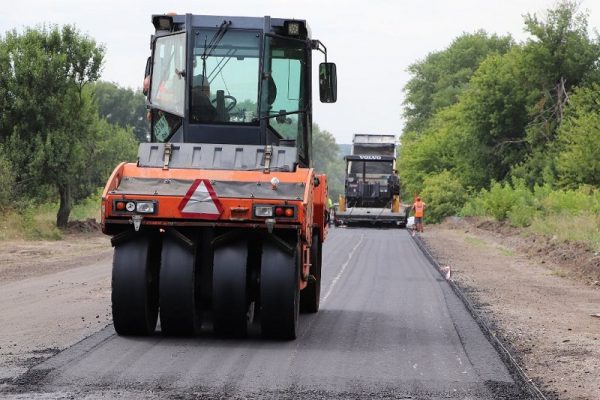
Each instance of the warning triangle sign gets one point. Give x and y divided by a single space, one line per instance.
200 201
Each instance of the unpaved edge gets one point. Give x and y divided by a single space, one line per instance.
54 294
537 305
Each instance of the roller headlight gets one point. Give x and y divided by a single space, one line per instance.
277 211
135 206
263 211
145 207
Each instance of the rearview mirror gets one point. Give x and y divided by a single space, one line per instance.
327 83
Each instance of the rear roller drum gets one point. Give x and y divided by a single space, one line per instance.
310 296
230 296
279 292
135 286
179 293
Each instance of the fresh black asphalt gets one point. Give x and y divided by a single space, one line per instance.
389 327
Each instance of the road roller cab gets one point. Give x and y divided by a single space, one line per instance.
221 220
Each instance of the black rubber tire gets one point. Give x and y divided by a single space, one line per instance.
230 293
135 287
310 296
179 295
279 292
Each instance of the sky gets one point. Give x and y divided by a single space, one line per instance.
372 41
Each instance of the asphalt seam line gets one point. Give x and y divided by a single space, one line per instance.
341 271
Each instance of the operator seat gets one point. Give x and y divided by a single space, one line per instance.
201 109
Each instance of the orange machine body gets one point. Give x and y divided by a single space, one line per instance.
235 210
167 188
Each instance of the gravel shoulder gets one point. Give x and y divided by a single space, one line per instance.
541 297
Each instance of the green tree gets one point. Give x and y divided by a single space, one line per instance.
444 194
123 107
560 56
438 80
446 144
579 139
325 148
327 159
496 108
501 121
45 67
51 130
427 153
6 91
561 52
7 181
79 168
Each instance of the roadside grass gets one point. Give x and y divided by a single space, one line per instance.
560 274
569 214
38 222
574 228
475 241
11 226
506 252
89 208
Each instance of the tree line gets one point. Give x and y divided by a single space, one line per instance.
488 109
54 144
63 130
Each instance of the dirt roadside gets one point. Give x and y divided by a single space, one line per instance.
53 294
540 296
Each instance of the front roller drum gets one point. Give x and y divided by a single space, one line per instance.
135 286
279 292
230 294
179 294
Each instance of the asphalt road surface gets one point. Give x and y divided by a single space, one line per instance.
389 327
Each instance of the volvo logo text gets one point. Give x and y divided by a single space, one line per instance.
370 157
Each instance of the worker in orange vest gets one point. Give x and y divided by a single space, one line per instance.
418 210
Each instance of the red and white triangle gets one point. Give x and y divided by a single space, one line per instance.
200 201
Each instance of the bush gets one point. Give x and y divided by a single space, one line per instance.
522 215
522 207
573 202
444 195
499 200
515 203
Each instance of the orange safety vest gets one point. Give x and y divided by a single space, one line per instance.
419 206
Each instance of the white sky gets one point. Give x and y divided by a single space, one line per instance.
371 41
